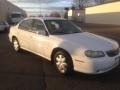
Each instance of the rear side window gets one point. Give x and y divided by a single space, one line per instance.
25 25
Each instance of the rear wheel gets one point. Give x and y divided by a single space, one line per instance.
16 45
63 62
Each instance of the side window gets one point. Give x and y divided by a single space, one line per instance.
39 27
25 25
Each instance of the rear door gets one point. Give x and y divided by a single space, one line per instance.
24 34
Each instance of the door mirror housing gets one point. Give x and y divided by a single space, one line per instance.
43 32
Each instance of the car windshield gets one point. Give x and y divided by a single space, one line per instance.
60 27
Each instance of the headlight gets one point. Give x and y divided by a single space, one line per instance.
94 54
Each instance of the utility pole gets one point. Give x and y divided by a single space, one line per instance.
40 8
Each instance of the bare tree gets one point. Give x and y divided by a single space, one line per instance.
82 4
55 14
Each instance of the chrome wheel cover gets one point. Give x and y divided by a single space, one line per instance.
61 63
16 45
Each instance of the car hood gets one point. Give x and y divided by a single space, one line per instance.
87 41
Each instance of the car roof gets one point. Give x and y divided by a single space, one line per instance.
45 18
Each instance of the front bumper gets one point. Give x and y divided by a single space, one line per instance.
96 65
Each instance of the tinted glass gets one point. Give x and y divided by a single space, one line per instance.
38 25
60 27
25 25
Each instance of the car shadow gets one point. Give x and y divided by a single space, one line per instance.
109 77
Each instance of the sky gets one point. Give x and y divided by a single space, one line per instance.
42 5
51 2
37 1
46 5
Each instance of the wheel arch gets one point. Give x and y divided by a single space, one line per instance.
13 37
56 50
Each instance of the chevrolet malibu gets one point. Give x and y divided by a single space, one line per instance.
65 45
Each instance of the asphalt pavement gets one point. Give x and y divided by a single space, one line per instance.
27 71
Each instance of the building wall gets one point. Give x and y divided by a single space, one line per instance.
77 15
104 14
6 8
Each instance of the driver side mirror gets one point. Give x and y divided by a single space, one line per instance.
42 32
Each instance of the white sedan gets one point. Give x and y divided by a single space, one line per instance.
65 45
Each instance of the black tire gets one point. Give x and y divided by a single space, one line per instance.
16 44
65 65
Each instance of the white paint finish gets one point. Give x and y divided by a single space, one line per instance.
75 44
96 66
88 41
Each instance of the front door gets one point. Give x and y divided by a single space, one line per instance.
39 37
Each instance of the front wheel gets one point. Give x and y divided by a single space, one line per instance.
63 62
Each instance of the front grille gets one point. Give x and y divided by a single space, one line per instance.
113 53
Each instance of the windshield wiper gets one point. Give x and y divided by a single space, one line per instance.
60 32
